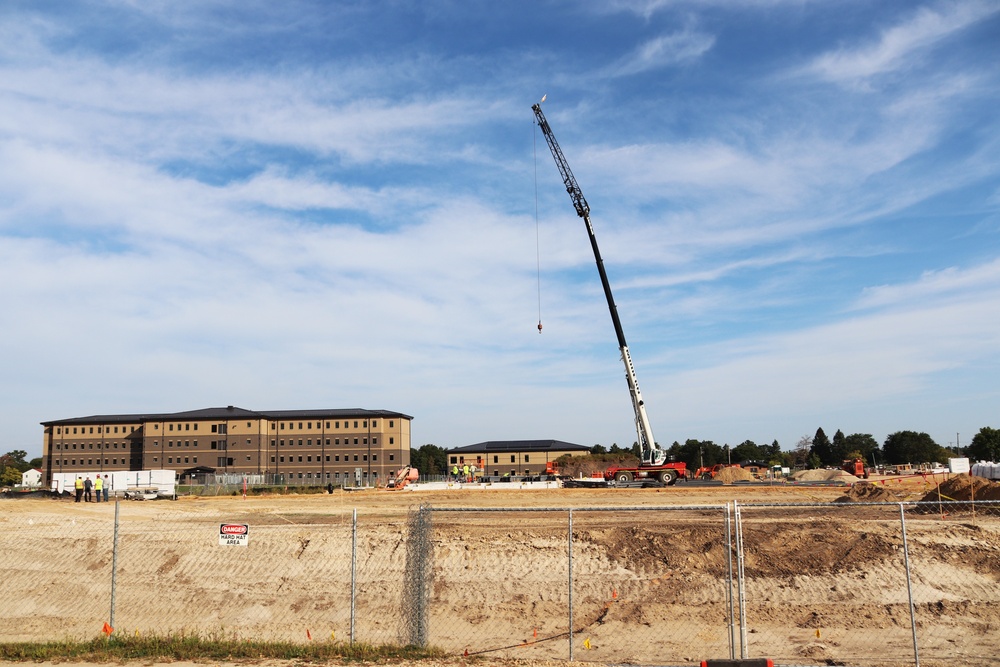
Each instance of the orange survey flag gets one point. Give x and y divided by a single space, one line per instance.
107 629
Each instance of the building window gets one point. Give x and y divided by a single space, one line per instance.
392 457
454 459
525 458
512 458
374 457
391 440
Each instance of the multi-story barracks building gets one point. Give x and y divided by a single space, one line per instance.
286 446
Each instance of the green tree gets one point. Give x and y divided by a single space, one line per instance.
823 449
985 445
862 443
838 448
598 449
748 451
10 476
911 447
429 460
15 459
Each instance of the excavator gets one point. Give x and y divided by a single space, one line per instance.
654 463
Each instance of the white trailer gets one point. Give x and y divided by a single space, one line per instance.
132 484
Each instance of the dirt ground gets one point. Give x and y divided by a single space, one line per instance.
827 575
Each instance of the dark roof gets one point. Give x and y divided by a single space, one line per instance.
521 446
229 412
198 470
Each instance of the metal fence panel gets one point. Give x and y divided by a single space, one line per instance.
832 584
646 586
876 584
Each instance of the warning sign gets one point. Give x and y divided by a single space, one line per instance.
234 534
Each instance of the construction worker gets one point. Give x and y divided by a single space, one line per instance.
98 486
79 488
465 472
454 472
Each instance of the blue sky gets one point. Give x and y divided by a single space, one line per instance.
333 205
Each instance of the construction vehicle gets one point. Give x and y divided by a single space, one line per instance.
856 467
709 472
403 476
653 463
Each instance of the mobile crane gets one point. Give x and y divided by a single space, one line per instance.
654 462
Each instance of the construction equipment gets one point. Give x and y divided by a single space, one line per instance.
403 476
856 467
709 472
654 462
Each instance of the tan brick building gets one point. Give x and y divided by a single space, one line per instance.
527 458
287 446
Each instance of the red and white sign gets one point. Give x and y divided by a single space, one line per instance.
234 534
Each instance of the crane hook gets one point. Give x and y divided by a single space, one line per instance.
539 326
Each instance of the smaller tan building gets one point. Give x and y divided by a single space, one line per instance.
517 458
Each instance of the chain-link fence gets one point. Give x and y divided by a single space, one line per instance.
842 583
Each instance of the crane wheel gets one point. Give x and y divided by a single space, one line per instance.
706 475
623 477
668 476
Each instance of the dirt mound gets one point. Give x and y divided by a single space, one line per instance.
730 475
823 475
866 492
964 487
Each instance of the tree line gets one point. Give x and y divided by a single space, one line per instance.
13 463
817 451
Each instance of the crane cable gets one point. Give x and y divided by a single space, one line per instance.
538 251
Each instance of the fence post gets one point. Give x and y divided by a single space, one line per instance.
354 566
909 586
569 552
114 566
741 581
729 582
420 571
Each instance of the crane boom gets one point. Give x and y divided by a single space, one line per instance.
651 453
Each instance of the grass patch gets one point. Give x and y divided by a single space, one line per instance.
193 647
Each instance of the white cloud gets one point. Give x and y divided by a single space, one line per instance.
663 51
899 45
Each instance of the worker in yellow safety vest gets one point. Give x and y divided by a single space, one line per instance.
98 485
79 488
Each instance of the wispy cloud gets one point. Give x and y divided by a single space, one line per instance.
898 46
663 51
